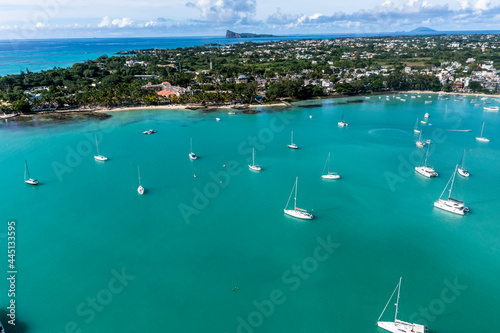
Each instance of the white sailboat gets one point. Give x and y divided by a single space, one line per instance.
420 143
253 166
415 129
297 212
99 157
480 137
342 123
426 115
461 170
293 145
140 189
424 169
191 154
27 178
329 175
399 326
451 205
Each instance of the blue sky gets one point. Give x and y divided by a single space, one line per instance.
126 18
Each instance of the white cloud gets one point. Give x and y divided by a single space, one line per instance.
39 25
221 11
152 24
121 23
482 4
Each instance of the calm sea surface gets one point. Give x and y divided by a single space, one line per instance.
215 253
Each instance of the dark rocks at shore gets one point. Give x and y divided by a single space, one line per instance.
62 116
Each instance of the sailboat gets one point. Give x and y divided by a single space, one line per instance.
293 145
461 170
342 123
480 137
99 157
415 129
191 154
426 115
27 178
451 205
399 326
140 189
425 170
253 166
297 212
420 143
329 175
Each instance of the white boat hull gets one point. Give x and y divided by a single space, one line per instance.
420 144
299 214
482 139
331 176
463 172
31 181
254 167
416 131
100 158
452 206
426 171
192 156
343 123
293 146
140 190
491 109
402 327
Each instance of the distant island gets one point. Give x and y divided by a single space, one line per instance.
232 34
423 30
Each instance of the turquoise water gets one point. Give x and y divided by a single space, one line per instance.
86 220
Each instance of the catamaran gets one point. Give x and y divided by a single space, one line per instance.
297 212
461 170
451 205
480 137
253 166
425 170
420 143
415 129
99 157
191 154
399 326
27 178
293 145
491 108
140 189
342 123
329 175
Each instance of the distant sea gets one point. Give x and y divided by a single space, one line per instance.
44 54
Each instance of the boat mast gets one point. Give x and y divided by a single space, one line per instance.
139 172
292 138
452 181
26 170
97 146
482 128
295 200
253 156
191 145
328 163
463 159
397 302
426 154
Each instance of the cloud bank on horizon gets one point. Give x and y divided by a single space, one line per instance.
213 17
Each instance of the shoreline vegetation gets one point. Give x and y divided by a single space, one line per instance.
103 112
251 75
